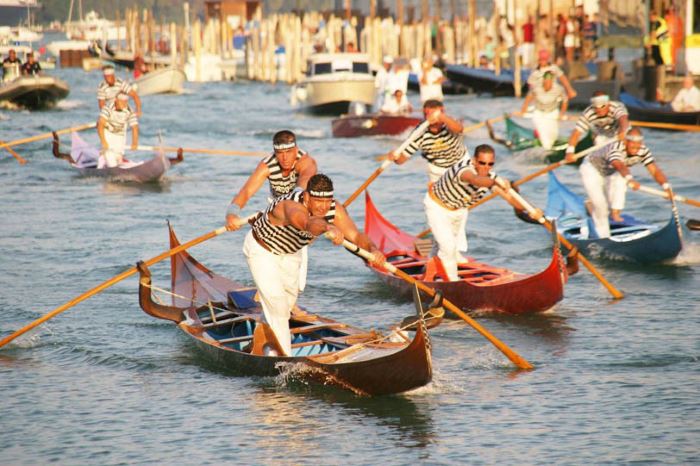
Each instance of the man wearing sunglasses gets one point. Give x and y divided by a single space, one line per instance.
447 202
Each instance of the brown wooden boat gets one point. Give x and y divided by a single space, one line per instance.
375 124
224 320
481 287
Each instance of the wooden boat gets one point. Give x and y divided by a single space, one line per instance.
486 81
333 82
631 240
83 157
518 139
375 124
162 81
481 287
223 319
654 112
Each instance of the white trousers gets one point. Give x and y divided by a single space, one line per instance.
605 192
277 279
448 228
113 156
547 126
434 174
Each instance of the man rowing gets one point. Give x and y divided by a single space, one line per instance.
550 104
274 244
605 177
111 86
606 119
447 202
545 66
114 120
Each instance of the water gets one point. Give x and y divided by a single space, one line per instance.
103 383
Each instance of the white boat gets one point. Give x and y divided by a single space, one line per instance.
163 81
333 81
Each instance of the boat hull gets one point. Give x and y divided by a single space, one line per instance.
350 126
333 97
164 81
150 171
486 81
640 110
34 92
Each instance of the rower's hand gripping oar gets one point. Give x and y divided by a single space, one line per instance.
414 135
548 225
114 280
509 353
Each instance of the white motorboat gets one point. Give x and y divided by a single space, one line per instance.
162 81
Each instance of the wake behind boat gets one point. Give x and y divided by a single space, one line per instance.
85 158
222 317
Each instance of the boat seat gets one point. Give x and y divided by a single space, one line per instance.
307 343
420 263
233 320
223 341
222 315
423 246
313 328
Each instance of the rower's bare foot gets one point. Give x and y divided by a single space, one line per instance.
297 311
617 218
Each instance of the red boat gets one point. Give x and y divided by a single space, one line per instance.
481 288
375 124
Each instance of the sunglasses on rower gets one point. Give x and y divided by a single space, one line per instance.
486 164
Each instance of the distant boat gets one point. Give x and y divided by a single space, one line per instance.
654 112
482 80
373 124
161 81
334 81
33 92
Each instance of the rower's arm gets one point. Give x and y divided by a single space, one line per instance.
657 173
505 193
100 103
101 132
350 231
134 137
527 102
293 213
567 85
564 107
137 100
307 168
624 126
252 185
477 180
454 126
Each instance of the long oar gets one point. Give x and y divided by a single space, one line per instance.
672 126
414 135
530 177
114 280
191 150
509 353
664 194
490 121
17 142
14 154
617 294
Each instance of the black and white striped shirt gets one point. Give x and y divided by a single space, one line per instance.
455 193
280 184
608 125
109 93
443 149
603 161
548 101
116 121
285 239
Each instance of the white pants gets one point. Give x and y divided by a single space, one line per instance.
547 126
448 228
277 279
603 191
602 139
434 174
113 156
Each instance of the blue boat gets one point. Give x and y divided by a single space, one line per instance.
449 87
642 110
486 81
631 240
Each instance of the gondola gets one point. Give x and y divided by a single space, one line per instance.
631 240
223 319
83 157
520 139
376 124
481 80
481 288
654 112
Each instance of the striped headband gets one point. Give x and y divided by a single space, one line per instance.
634 137
600 100
322 194
284 145
108 71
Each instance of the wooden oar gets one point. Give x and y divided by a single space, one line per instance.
14 154
530 177
414 135
190 150
509 353
17 142
617 294
484 123
672 126
664 194
114 280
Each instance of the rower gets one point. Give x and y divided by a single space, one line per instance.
398 104
606 119
111 86
550 104
273 248
447 202
605 177
112 125
32 66
688 98
11 66
544 66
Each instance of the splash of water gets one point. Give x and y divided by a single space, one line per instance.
690 254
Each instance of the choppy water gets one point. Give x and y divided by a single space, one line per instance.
103 383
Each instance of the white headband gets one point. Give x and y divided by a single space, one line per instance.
108 71
284 145
634 137
600 100
323 194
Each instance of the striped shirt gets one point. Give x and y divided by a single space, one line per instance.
548 101
116 121
455 193
608 125
443 149
109 93
537 76
285 239
280 184
602 161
